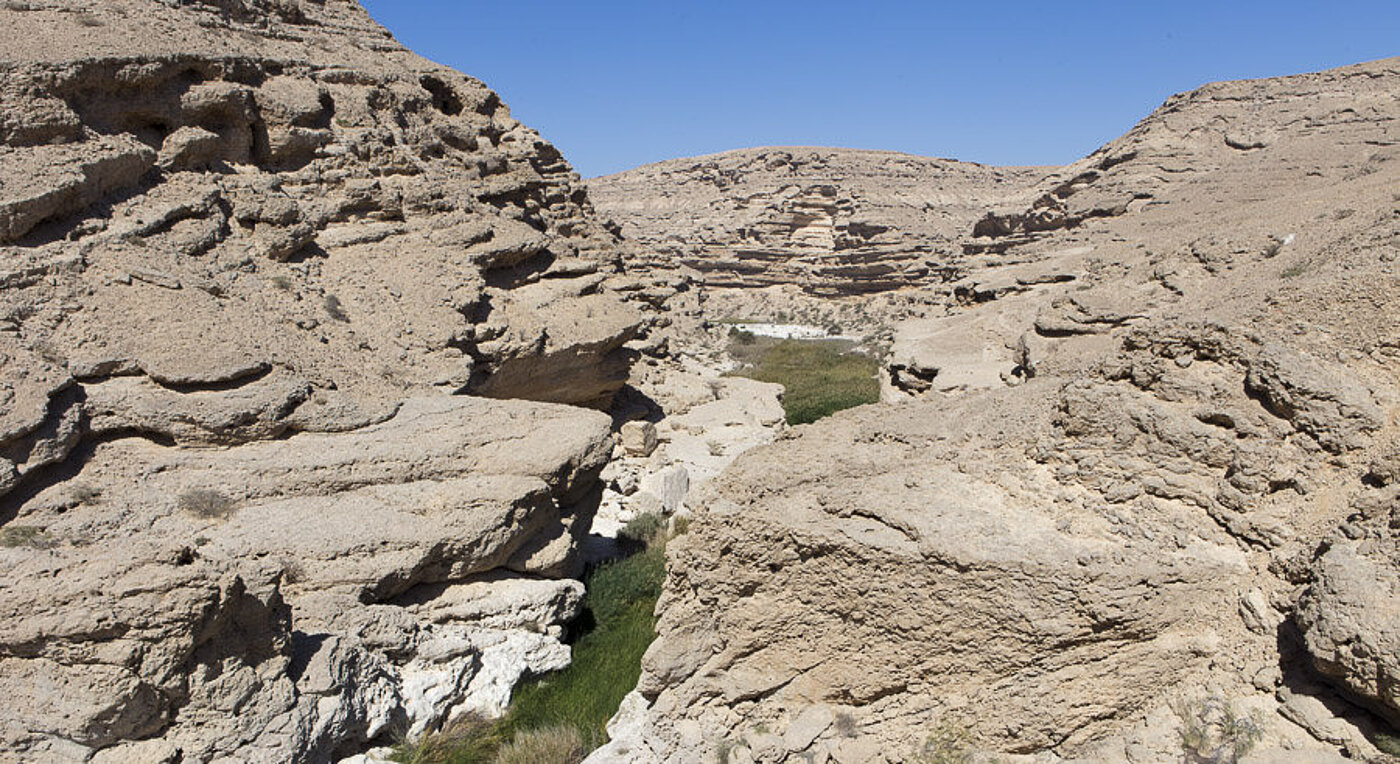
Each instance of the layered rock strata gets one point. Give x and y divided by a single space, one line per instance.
1136 478
249 250
831 221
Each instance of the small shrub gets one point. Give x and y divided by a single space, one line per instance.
31 536
281 282
200 541
742 336
334 309
1294 271
645 527
467 740
1387 744
949 744
1213 731
207 503
293 572
17 5
845 723
553 744
89 20
85 493
724 750
716 447
680 526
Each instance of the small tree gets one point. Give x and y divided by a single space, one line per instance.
1213 731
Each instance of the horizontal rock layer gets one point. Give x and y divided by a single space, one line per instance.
253 253
1135 473
832 221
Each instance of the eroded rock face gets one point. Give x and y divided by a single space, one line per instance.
832 221
251 250
1139 453
328 586
362 216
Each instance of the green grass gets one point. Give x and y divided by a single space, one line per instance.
1388 744
821 376
607 660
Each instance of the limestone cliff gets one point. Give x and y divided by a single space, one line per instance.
249 250
1135 477
832 221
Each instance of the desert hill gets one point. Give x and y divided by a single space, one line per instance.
1133 479
831 221
252 253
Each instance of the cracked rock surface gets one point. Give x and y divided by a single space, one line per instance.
1136 457
289 319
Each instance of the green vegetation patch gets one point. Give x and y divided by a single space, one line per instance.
607 660
559 717
821 376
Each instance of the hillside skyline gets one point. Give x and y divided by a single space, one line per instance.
625 84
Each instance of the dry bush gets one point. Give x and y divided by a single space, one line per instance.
207 503
85 493
950 743
31 536
335 309
1214 731
555 744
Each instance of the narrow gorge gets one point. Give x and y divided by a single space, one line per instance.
325 386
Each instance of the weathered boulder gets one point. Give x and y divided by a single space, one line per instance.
913 577
387 562
1349 622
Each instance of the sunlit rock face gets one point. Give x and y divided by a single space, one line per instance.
832 221
1136 476
261 269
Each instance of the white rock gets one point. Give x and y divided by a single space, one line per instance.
669 486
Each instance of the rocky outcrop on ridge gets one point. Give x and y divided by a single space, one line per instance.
1135 478
249 251
831 221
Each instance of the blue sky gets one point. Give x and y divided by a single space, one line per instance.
618 84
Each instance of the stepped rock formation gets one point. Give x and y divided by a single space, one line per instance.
1137 468
248 251
832 221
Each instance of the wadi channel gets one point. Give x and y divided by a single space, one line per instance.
342 421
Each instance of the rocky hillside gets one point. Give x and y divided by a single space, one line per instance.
1134 496
831 221
248 251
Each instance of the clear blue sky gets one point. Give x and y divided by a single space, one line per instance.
618 84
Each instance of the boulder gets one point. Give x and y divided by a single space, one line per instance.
638 438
